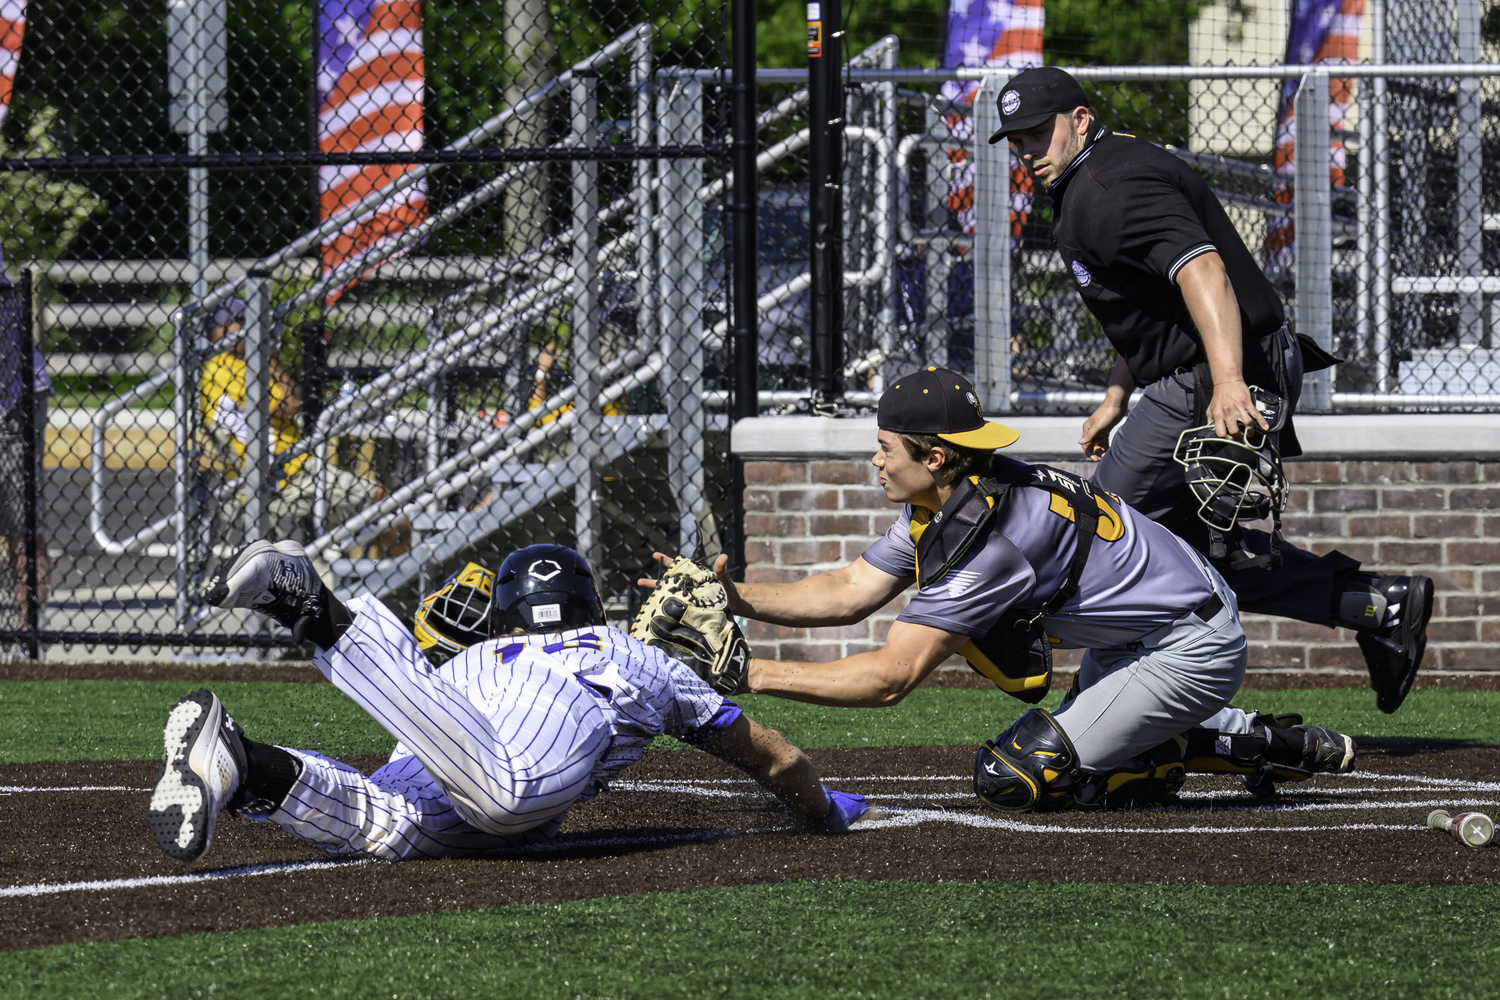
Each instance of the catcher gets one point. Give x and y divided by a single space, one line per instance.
494 745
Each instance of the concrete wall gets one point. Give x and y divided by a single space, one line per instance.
813 505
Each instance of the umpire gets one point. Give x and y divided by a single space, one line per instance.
1196 323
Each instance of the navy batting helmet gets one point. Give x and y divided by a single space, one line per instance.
545 588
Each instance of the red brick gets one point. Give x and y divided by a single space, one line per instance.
855 648
1475 498
1469 658
794 553
1477 553
1276 655
809 652
807 500
1445 472
760 500
1344 500
856 630
839 524
1377 472
1362 551
1313 472
1452 630
1373 525
1470 605
1445 525
1412 499
1257 628
1298 499
780 525
1492 527
759 552
1347 657
1307 525
1288 630
842 472
775 472
898 604
880 628
773 574
1491 472
1490 631
1409 553
855 547
872 499
1458 579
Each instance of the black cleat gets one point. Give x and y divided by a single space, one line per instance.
1325 751
1393 652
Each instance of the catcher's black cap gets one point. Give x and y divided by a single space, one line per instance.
545 588
1034 95
941 402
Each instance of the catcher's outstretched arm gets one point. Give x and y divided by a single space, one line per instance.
866 680
774 762
840 597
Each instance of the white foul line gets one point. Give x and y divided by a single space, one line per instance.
51 888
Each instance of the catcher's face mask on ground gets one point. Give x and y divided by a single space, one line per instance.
455 615
1236 481
545 588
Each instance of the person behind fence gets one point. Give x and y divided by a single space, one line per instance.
494 746
1010 561
222 402
21 359
1197 324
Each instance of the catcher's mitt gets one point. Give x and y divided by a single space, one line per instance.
687 617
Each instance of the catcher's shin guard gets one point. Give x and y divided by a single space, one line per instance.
1030 767
1152 779
1209 751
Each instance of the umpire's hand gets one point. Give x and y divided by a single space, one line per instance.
1233 410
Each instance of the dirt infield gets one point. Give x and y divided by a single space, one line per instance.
79 865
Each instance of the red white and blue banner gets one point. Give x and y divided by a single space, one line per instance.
1318 31
370 99
12 30
1000 33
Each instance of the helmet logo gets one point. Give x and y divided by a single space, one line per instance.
546 613
543 569
1010 102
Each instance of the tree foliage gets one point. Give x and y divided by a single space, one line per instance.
40 217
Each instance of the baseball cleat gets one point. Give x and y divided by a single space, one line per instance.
1325 751
277 580
201 769
1393 652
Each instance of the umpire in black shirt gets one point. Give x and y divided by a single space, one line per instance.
1189 310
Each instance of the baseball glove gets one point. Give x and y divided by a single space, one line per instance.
687 617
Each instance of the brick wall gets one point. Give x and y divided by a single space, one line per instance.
1441 519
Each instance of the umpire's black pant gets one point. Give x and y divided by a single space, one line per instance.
1138 468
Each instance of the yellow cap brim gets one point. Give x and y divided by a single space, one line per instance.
986 438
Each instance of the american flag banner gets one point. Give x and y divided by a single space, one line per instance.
988 33
370 98
12 30
1319 31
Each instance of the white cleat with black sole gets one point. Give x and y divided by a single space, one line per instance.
201 770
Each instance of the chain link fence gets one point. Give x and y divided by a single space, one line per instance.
418 284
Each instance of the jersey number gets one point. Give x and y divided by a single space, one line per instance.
1111 526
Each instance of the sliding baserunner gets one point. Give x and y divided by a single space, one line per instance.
494 747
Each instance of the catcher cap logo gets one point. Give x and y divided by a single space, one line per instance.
1010 103
543 569
974 401
1082 274
546 612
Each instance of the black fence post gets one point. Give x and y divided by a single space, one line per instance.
25 366
825 162
744 219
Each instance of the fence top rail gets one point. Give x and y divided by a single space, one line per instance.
1140 73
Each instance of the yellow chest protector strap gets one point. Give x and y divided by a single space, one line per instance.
1015 655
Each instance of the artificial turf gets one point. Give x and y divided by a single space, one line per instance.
122 720
831 940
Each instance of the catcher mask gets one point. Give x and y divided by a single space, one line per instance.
1236 481
455 615
545 588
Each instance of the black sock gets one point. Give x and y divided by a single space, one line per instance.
269 777
1286 746
326 628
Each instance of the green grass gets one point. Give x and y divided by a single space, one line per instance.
122 720
831 940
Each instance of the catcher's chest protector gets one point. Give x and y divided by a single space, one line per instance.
1015 655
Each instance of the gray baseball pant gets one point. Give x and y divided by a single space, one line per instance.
1139 469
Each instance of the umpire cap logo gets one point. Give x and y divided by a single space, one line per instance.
543 569
1010 103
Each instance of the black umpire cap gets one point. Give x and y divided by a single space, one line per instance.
941 402
1034 95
